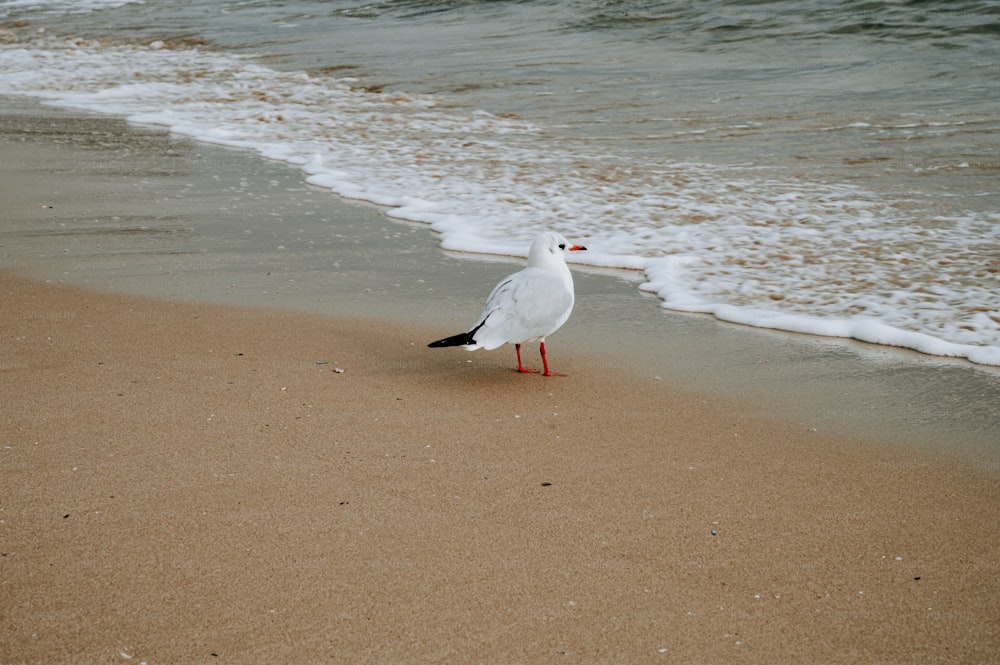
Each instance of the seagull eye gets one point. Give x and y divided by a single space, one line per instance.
562 245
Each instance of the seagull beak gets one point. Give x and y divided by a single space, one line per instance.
576 248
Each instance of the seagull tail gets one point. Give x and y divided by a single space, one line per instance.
461 339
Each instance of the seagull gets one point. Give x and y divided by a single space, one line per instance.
527 306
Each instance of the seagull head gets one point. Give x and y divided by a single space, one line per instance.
550 246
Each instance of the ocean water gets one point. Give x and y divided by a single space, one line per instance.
829 168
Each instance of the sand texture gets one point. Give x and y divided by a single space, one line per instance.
197 484
183 482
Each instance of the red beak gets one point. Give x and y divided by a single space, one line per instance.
576 248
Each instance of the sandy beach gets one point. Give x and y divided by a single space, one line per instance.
200 482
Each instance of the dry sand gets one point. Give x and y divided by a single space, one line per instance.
190 483
186 484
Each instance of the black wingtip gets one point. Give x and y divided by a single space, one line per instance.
460 339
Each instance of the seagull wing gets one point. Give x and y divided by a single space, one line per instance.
526 306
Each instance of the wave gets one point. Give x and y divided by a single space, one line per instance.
747 243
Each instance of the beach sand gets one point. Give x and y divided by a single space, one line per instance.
182 481
92 200
199 483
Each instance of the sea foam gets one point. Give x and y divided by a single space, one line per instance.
746 243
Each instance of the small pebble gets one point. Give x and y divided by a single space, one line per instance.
714 532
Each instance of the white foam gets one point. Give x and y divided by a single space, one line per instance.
744 244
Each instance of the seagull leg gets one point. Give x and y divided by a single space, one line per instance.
545 363
521 368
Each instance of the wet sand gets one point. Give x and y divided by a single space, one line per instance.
190 482
91 200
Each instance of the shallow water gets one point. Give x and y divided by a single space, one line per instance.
146 213
823 168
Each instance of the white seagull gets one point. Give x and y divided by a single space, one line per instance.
527 306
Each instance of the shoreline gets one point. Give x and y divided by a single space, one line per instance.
197 482
122 208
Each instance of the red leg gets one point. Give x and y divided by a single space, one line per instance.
521 368
545 362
